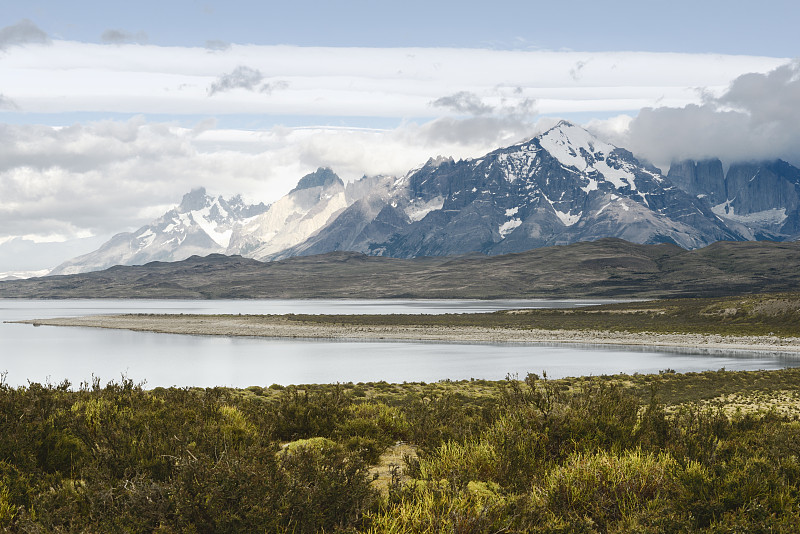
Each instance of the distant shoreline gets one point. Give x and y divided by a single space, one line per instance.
277 326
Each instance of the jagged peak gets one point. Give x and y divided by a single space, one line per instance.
196 199
567 133
437 161
322 177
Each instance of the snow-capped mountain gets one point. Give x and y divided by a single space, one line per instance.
199 225
560 187
318 197
557 188
761 200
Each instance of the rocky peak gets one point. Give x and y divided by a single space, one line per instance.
196 199
703 178
322 177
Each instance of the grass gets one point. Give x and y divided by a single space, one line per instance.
758 315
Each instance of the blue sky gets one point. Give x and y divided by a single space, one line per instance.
762 28
110 111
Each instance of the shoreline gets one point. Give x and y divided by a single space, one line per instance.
276 326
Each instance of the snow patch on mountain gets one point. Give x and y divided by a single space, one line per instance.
775 217
518 164
575 147
416 211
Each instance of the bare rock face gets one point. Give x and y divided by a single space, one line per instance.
759 200
700 178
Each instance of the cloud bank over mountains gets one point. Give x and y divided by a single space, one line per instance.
756 117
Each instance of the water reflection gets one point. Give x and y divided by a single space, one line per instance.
41 354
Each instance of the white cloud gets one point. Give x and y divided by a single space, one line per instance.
113 176
393 82
756 117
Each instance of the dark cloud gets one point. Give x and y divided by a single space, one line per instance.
23 32
509 109
524 109
245 78
758 117
575 71
274 86
217 45
767 98
113 36
7 104
474 130
463 102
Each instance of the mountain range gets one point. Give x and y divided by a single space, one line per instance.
560 187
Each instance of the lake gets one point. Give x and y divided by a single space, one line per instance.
52 354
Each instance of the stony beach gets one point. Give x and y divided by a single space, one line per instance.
276 326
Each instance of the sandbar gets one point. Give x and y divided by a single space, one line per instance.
278 326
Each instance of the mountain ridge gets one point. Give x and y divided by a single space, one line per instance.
606 268
562 186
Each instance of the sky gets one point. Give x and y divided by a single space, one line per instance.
111 111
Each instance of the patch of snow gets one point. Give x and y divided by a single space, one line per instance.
211 227
766 217
511 211
591 186
146 238
417 212
508 226
567 219
518 164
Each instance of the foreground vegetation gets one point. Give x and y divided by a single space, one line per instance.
711 452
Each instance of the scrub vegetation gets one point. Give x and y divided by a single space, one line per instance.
696 452
764 314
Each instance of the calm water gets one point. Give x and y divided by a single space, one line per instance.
42 354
